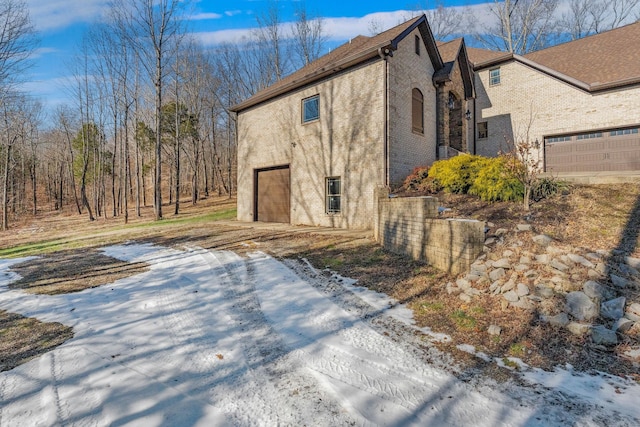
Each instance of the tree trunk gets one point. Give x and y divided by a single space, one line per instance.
5 192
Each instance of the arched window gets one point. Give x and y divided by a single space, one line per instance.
417 111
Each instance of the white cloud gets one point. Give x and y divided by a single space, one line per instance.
41 51
56 14
233 12
205 16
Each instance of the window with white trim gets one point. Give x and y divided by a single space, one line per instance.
591 135
619 132
333 195
494 77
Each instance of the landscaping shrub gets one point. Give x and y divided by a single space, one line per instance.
495 181
457 174
419 181
546 187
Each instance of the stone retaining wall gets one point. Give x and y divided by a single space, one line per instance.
410 225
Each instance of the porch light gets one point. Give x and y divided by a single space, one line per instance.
467 115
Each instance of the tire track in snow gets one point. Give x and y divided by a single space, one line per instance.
283 390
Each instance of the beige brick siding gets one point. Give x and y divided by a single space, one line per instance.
410 226
526 97
406 148
347 141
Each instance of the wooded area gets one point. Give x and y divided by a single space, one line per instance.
150 113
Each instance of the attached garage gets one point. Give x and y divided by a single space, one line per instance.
272 194
612 150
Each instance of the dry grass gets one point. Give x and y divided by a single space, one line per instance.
22 338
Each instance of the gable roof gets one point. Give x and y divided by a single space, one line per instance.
354 52
607 58
598 62
455 52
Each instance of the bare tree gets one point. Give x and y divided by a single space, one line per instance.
586 17
154 28
308 35
445 22
270 50
519 26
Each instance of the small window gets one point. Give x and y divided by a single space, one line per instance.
555 139
311 109
591 135
620 132
417 111
333 195
494 77
483 130
417 45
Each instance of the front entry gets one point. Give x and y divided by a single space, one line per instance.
272 194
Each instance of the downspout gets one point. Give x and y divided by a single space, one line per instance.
384 54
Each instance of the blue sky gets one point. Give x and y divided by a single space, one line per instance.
61 24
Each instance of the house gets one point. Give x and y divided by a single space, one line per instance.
578 102
314 147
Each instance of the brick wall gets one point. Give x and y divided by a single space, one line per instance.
347 141
527 96
408 149
411 226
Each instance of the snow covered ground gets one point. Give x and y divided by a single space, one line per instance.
210 338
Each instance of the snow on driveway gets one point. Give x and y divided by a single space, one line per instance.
209 338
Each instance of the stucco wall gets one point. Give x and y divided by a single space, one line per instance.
526 97
406 148
346 141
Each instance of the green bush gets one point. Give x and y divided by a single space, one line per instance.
457 174
495 182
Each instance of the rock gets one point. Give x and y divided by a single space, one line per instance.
502 263
623 325
523 290
523 227
542 240
472 292
497 274
543 291
558 265
552 250
490 224
580 260
594 257
604 336
495 285
511 296
633 262
504 304
508 286
501 232
480 269
580 306
619 282
578 328
508 253
601 268
490 241
593 290
453 289
525 260
494 330
592 274
560 319
613 309
524 304
463 283
521 267
473 277
633 312
531 274
543 259
464 297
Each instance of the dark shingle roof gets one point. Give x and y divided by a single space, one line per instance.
606 58
351 53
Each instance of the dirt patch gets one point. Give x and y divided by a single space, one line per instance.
24 338
72 271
